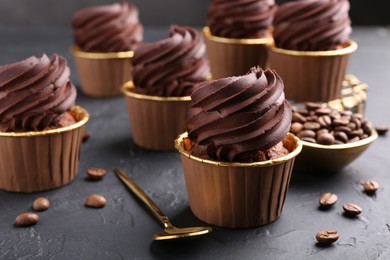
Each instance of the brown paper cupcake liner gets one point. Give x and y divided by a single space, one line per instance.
103 74
311 75
234 57
238 195
155 121
41 160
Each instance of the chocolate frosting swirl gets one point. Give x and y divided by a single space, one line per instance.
240 18
312 25
232 119
34 93
172 66
107 28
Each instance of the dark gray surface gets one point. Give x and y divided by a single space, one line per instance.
154 12
123 229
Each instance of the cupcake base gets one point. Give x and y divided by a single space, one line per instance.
238 195
41 160
233 57
311 75
155 121
103 74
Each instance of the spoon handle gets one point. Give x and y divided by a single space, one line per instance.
142 196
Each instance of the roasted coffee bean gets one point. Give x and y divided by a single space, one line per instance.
311 126
351 126
308 139
370 187
324 121
296 127
323 111
303 112
96 173
296 117
325 139
327 237
346 113
26 219
354 139
328 199
95 201
352 209
338 142
381 129
306 133
343 137
358 116
322 131
41 204
357 122
344 129
340 122
364 136
312 105
357 132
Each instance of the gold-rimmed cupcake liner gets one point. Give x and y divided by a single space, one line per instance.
155 121
312 75
103 74
233 57
238 195
41 160
327 159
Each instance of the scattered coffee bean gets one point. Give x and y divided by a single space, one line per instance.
381 129
95 201
26 219
327 237
96 173
86 136
328 199
41 204
344 126
312 105
370 187
352 209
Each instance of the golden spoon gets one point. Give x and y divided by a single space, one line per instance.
170 231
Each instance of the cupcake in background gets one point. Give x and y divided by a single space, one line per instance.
237 35
165 74
312 48
40 127
104 38
238 154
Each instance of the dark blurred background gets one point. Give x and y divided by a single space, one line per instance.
155 12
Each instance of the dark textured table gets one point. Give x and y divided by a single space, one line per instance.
123 228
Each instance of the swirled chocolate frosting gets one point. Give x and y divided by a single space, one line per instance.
240 18
312 25
107 28
236 119
172 66
35 93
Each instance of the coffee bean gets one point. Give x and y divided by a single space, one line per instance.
338 142
96 173
311 126
95 201
357 122
308 139
26 219
340 122
325 139
381 129
351 126
322 131
344 129
352 209
343 137
296 117
41 204
354 139
296 127
328 199
306 133
357 132
327 237
303 112
323 111
334 114
370 187
312 105
324 121
346 113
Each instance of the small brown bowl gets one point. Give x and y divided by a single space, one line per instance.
317 158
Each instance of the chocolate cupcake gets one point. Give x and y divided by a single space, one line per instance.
312 48
40 127
165 74
105 37
237 153
237 35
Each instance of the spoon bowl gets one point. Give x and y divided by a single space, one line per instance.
170 231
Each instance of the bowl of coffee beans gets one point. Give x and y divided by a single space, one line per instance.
331 139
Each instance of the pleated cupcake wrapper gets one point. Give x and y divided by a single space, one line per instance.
155 121
234 57
103 74
41 160
238 195
311 76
